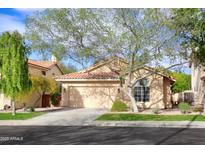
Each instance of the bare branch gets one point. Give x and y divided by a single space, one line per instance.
156 71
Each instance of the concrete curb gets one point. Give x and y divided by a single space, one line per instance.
12 122
160 124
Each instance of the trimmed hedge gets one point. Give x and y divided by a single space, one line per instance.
119 106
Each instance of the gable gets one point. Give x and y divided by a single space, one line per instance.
54 71
34 70
114 64
152 77
43 64
145 71
103 68
50 68
146 74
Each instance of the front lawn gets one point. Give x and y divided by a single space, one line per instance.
150 117
19 116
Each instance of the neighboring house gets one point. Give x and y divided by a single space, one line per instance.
44 68
48 69
198 82
98 86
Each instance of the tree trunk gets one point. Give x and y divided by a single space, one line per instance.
13 107
129 87
203 101
132 99
40 95
204 108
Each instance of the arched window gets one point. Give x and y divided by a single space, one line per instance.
142 91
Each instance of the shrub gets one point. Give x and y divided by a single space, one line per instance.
198 108
156 110
31 109
118 106
7 107
42 84
184 107
55 98
183 82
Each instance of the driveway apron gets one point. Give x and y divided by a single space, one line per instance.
69 117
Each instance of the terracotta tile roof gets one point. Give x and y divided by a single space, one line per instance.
45 64
86 75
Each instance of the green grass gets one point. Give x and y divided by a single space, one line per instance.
150 117
19 116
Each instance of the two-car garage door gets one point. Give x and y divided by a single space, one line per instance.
90 95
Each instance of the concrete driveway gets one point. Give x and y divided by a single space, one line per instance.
67 117
63 117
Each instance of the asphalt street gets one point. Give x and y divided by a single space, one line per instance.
87 135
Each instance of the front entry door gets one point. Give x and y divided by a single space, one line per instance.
46 100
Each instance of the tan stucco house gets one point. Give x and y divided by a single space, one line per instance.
48 69
98 86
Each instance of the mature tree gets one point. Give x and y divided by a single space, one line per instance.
140 36
190 27
74 34
14 68
143 39
183 82
67 68
40 85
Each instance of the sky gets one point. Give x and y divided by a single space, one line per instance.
14 19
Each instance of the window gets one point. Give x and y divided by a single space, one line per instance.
43 73
142 91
